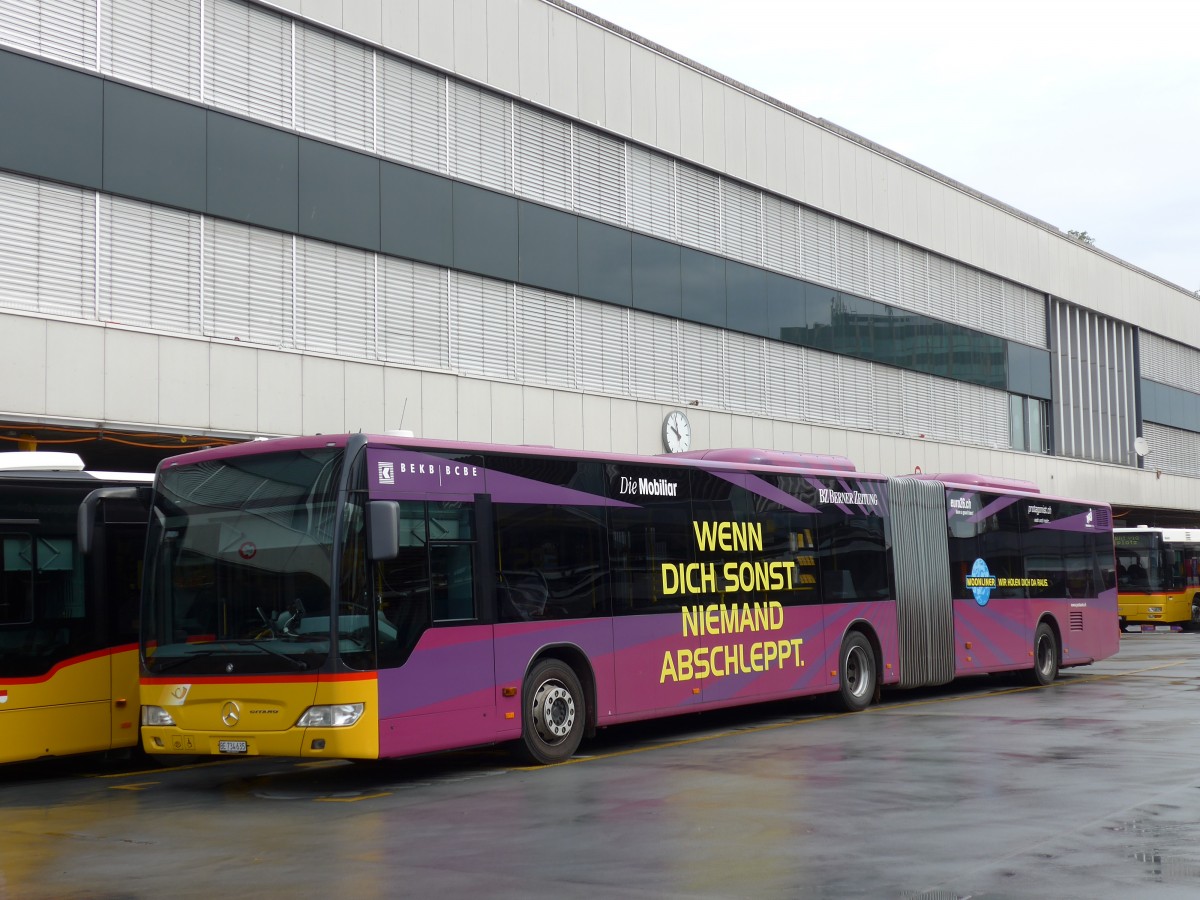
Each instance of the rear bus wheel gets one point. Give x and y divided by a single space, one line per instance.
555 713
856 673
1045 655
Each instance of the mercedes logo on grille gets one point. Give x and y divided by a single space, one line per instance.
230 713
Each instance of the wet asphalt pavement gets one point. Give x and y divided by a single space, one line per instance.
1087 789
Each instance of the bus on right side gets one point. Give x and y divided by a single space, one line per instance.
1158 577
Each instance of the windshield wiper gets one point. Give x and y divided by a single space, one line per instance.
297 664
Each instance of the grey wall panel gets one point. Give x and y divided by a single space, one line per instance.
339 195
416 212
666 95
470 38
184 383
154 148
591 73
485 232
643 96
691 114
52 121
435 32
364 18
75 370
563 72
23 350
756 141
401 30
703 283
656 276
503 42
746 287
618 111
735 133
253 173
776 134
714 125
548 244
605 262
533 51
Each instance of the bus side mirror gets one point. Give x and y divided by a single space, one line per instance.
383 529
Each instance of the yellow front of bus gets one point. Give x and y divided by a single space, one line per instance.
332 716
257 632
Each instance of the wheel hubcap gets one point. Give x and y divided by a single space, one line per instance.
856 672
553 711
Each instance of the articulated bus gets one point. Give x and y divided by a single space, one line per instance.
1158 577
363 596
73 543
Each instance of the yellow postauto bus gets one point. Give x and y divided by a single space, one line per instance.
1158 576
71 543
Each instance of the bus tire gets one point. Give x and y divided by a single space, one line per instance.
1045 656
555 713
857 677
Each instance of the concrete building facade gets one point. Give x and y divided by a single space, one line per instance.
508 220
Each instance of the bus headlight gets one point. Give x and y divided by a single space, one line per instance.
337 715
156 715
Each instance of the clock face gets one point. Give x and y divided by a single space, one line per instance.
677 432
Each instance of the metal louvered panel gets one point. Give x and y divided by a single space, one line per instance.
858 394
482 326
47 248
853 258
946 413
1025 315
1173 450
914 279
781 234
153 42
334 88
920 559
966 298
983 416
991 300
824 399
942 301
654 354
786 387
699 208
247 284
248 61
149 266
817 256
884 271
600 176
1168 361
704 365
335 300
746 373
741 219
604 348
651 192
414 314
480 137
889 400
542 157
56 29
412 114
545 338
918 403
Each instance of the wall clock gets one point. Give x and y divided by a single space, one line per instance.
677 432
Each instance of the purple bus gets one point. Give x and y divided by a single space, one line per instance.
364 596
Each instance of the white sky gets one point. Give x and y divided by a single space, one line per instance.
1083 114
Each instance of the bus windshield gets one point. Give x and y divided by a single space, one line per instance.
240 556
1140 564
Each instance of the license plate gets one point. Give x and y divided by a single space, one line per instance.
231 746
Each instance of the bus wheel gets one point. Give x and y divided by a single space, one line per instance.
555 713
1045 655
856 673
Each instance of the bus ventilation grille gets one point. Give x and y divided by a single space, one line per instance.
1076 620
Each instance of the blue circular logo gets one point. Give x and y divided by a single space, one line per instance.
981 581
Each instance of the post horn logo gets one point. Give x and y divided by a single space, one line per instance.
230 714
